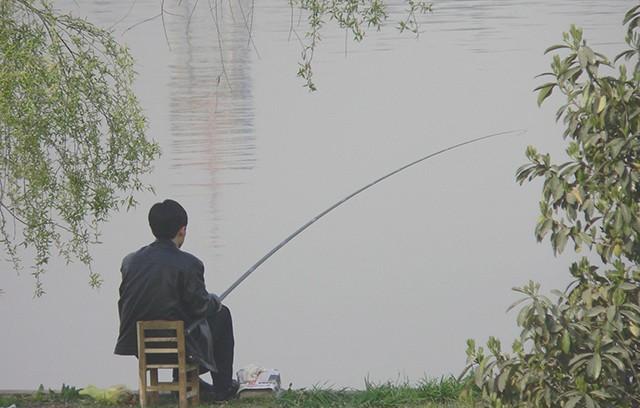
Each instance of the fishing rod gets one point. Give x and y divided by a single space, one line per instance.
350 196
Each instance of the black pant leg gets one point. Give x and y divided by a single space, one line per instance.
221 326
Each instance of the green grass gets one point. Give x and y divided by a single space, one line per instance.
446 392
443 392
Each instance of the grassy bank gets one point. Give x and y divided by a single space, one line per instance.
433 393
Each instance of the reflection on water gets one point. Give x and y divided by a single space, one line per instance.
211 106
211 102
210 140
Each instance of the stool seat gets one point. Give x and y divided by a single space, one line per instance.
161 345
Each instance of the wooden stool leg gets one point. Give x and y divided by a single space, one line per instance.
182 386
154 382
194 381
142 382
142 366
182 366
142 385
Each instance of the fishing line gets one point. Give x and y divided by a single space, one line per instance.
350 196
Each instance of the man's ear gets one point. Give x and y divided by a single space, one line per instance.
182 231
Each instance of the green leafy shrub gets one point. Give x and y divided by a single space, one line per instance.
582 348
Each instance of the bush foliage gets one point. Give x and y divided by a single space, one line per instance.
583 347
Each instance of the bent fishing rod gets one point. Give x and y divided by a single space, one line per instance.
350 196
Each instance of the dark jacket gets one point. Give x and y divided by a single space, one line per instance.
161 282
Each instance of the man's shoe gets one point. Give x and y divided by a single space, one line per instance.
206 388
227 394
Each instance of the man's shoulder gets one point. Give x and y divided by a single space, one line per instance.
162 253
141 252
129 258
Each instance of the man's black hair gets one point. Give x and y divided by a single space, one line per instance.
166 218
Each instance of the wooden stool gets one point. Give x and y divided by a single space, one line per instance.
164 341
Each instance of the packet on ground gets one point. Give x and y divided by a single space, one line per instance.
254 378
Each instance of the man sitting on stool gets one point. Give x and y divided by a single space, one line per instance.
162 282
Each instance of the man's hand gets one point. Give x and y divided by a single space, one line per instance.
217 303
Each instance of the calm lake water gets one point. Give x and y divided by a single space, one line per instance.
390 285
